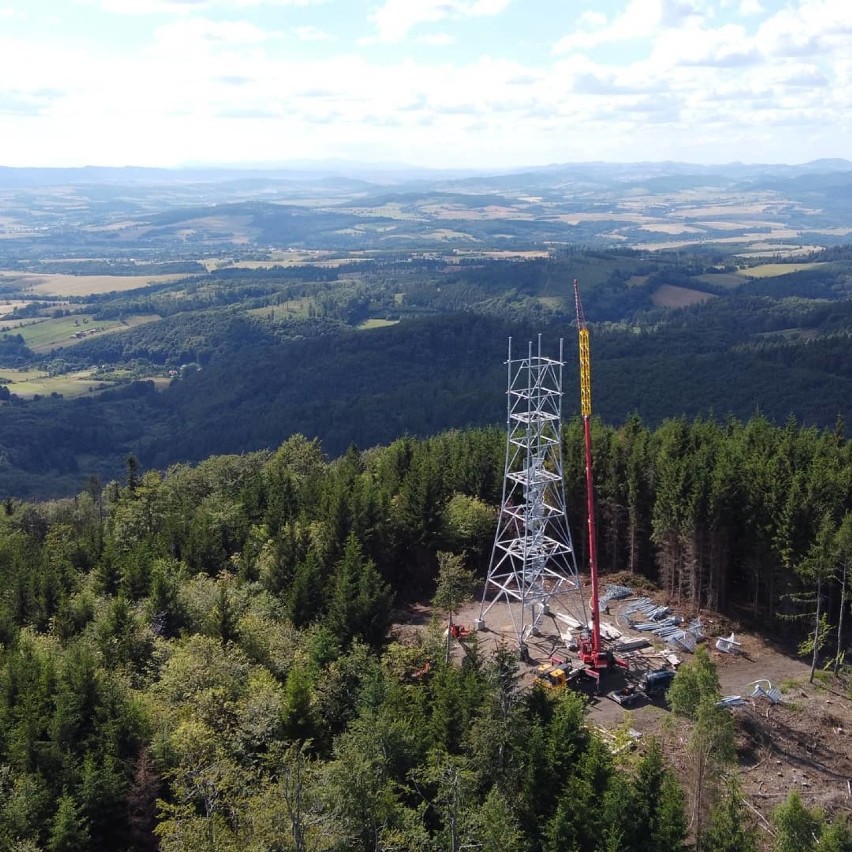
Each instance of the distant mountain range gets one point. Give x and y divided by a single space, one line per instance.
395 173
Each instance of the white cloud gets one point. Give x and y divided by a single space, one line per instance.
639 20
311 33
699 84
396 18
749 8
813 28
150 7
725 46
436 39
188 36
590 20
183 7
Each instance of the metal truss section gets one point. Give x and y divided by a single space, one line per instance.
532 562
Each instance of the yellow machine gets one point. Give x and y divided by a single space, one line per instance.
551 677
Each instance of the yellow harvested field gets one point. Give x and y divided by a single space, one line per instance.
505 254
61 284
773 270
748 210
576 218
9 305
670 296
486 214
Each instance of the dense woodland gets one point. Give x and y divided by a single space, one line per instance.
280 352
202 658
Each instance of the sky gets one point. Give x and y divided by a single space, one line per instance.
493 84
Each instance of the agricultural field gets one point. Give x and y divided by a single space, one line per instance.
29 383
59 285
9 305
773 270
670 296
323 259
375 323
49 334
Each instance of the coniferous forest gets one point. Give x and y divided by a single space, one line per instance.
204 659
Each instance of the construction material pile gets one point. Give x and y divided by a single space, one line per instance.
648 617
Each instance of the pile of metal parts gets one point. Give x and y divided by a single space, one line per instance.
613 593
647 617
771 693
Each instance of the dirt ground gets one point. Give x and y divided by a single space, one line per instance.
802 743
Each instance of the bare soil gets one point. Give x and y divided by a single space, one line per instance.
802 743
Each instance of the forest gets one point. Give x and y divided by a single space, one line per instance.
206 657
237 359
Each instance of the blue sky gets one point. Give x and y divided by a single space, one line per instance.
441 83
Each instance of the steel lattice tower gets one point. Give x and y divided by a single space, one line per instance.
532 561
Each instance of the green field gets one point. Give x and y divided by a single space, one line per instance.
772 270
28 383
65 331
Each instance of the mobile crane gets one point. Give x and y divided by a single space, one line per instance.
592 653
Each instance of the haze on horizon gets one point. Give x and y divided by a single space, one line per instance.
494 84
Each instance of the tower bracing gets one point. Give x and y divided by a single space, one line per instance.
533 569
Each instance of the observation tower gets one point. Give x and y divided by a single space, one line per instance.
533 569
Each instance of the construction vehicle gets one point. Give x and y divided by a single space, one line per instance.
657 682
553 678
557 673
591 651
626 696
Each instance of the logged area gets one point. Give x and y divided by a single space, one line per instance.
799 742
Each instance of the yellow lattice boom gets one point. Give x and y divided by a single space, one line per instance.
585 375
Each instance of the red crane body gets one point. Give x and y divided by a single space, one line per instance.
592 653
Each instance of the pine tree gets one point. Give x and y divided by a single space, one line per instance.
659 820
837 837
361 601
729 828
69 832
797 826
712 751
223 618
305 597
696 681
